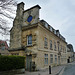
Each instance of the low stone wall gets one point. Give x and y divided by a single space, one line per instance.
12 72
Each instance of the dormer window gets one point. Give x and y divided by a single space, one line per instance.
51 29
46 25
54 31
58 33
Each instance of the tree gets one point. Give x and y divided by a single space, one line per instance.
7 11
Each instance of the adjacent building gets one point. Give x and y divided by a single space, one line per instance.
35 39
74 56
3 48
70 53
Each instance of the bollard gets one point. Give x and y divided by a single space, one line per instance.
49 69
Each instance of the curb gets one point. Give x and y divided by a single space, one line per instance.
61 71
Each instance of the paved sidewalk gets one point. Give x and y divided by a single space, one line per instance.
55 71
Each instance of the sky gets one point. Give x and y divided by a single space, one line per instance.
59 14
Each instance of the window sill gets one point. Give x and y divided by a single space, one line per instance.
46 47
51 49
45 64
29 45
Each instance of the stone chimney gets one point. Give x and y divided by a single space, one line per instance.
20 9
19 14
16 31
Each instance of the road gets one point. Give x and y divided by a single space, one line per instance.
70 69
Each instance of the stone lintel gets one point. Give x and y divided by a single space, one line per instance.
29 26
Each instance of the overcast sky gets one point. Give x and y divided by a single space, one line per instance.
60 14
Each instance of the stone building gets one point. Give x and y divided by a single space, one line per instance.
4 48
36 39
70 53
74 56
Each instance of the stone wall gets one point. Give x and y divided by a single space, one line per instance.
16 31
34 12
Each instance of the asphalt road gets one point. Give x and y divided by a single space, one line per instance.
70 69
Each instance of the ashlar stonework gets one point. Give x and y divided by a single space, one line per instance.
35 39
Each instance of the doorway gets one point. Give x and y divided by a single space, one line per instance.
28 62
68 60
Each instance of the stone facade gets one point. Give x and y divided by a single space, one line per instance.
70 53
74 56
48 46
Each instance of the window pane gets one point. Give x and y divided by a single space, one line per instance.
54 45
51 58
29 39
46 59
51 55
58 47
46 55
55 58
50 44
45 42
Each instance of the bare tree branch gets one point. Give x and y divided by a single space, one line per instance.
6 14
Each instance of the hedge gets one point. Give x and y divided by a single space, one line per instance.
11 62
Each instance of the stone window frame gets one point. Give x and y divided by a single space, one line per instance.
51 58
28 40
55 46
64 49
55 58
61 48
45 42
51 45
58 46
46 59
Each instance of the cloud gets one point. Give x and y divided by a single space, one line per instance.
58 13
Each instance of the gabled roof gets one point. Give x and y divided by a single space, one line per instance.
33 7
